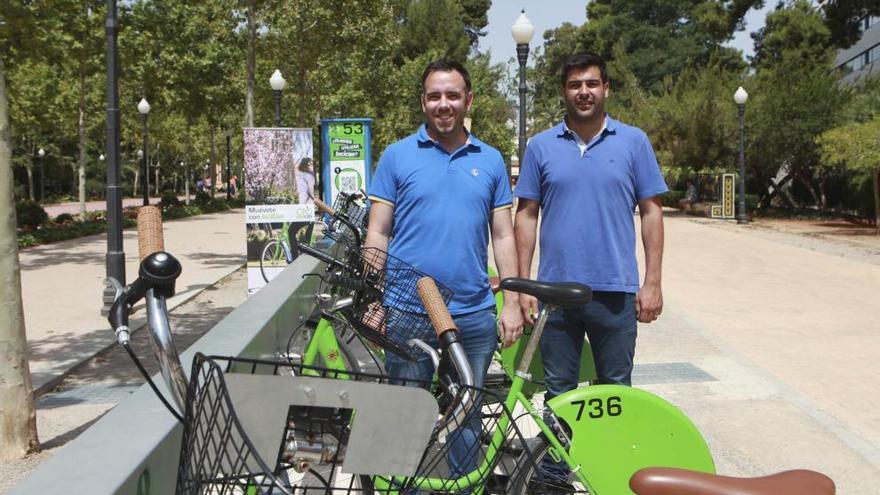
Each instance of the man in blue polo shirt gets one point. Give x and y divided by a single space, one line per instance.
438 194
586 176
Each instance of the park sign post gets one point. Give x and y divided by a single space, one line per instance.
345 152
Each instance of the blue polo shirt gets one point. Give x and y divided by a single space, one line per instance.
442 206
588 202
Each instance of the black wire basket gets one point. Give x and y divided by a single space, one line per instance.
218 456
349 207
387 310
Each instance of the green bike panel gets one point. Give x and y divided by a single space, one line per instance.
618 430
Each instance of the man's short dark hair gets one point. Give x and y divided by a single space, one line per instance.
584 61
443 65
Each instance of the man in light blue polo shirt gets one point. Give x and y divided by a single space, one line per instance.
586 176
438 194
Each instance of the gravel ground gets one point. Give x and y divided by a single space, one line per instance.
98 385
835 237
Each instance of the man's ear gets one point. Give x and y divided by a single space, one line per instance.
469 100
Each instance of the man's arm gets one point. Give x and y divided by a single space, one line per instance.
379 228
649 300
504 246
525 233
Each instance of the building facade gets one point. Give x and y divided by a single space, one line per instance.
863 58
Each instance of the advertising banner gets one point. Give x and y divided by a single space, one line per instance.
279 185
346 156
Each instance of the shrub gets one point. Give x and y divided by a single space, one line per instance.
30 214
64 218
169 198
202 198
671 198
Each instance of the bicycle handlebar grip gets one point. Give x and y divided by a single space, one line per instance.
149 222
325 208
433 302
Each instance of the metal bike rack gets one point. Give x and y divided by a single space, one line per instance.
134 448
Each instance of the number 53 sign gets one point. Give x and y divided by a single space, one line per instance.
346 156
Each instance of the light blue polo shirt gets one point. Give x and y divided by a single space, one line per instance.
588 202
442 206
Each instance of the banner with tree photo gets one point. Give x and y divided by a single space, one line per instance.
280 188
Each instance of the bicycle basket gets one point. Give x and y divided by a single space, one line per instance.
347 206
390 313
219 457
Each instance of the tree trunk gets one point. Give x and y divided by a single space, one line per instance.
30 173
876 175
135 192
251 63
18 420
157 179
80 172
212 171
810 188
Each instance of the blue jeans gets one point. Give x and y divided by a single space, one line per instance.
609 323
479 337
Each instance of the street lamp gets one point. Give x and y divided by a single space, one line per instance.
115 256
740 98
522 31
41 153
228 166
278 83
144 109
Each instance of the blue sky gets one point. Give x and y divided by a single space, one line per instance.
547 14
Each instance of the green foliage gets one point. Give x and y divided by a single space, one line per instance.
855 146
30 214
64 218
169 198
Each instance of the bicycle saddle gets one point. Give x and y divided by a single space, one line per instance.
672 481
562 294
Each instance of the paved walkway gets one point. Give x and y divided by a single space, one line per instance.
72 208
62 286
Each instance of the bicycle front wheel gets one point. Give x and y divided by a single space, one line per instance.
272 260
538 475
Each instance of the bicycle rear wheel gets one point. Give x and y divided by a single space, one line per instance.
300 339
273 259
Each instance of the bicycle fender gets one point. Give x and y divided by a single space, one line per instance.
617 430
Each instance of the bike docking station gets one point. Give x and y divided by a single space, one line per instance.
135 447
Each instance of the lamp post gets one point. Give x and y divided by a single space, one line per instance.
740 98
522 31
228 166
41 153
144 109
278 83
115 256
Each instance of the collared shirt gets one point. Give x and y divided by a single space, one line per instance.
577 138
443 203
588 202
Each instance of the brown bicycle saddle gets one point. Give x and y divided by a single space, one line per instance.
671 481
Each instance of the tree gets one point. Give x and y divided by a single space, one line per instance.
856 146
18 424
843 17
796 95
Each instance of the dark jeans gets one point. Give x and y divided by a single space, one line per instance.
479 337
609 323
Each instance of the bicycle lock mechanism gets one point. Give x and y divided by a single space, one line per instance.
157 275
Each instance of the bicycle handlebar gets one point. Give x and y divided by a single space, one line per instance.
433 302
447 334
325 207
149 225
